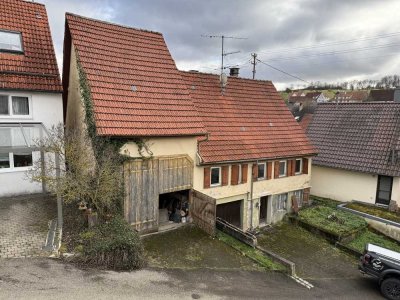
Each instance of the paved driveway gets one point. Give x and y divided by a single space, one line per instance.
24 224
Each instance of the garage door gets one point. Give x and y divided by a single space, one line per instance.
230 212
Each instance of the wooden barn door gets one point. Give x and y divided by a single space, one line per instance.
203 211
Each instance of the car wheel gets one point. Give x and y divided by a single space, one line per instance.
390 288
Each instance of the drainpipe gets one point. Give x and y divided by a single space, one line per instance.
251 197
198 146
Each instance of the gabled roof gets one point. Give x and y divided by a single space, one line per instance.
250 121
383 95
35 69
351 96
135 86
357 136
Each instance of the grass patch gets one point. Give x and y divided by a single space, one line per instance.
375 211
362 240
250 252
342 222
189 247
325 201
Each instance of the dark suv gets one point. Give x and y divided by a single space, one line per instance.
384 265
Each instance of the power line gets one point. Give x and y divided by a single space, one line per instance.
335 52
367 38
284 72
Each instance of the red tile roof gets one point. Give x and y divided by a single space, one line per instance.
135 86
305 121
36 69
351 96
357 136
249 122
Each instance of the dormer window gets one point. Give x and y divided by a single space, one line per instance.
10 41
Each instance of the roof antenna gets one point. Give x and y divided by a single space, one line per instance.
223 54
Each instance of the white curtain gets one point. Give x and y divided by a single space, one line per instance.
20 105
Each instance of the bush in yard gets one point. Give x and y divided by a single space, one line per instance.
113 245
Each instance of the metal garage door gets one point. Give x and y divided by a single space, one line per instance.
230 212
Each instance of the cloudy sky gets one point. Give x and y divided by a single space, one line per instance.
315 40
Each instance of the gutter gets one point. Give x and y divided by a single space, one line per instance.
198 148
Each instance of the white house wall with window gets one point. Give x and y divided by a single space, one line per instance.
30 93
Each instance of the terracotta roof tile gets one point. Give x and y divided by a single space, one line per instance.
116 58
357 136
249 122
35 69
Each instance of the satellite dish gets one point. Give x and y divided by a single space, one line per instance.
223 79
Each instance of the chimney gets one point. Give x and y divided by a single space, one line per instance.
234 72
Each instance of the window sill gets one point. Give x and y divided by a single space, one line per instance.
282 176
15 170
215 185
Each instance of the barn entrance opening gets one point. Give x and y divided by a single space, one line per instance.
173 209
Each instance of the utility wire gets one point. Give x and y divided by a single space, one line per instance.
335 52
367 38
284 72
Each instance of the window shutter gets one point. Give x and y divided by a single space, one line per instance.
269 170
207 179
276 173
254 171
306 195
293 162
244 173
305 165
289 167
225 175
234 174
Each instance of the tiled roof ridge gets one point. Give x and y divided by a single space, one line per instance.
233 77
112 23
31 2
361 103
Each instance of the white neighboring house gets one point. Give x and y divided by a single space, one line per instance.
30 92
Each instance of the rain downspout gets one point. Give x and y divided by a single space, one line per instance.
198 147
251 197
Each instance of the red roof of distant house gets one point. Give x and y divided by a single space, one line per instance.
249 121
36 68
351 96
135 86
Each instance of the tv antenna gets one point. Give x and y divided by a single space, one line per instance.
223 53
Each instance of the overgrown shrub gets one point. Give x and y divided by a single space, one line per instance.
113 245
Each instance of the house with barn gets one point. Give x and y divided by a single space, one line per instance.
358 152
200 147
30 92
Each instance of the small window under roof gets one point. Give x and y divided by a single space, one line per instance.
10 41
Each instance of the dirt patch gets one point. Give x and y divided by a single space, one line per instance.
189 247
314 257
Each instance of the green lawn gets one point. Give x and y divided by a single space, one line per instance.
341 223
190 248
375 211
361 241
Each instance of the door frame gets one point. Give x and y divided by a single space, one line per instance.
377 190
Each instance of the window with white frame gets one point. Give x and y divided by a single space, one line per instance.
299 166
281 200
240 174
215 176
14 106
282 168
10 41
261 169
299 197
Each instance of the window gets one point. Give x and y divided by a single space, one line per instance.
261 171
14 105
10 41
299 197
298 167
215 176
15 160
281 201
282 168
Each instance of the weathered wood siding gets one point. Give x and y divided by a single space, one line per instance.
145 180
203 211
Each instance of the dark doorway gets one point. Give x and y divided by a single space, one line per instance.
384 190
263 209
230 212
173 207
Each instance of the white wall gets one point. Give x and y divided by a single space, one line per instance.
46 108
343 185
